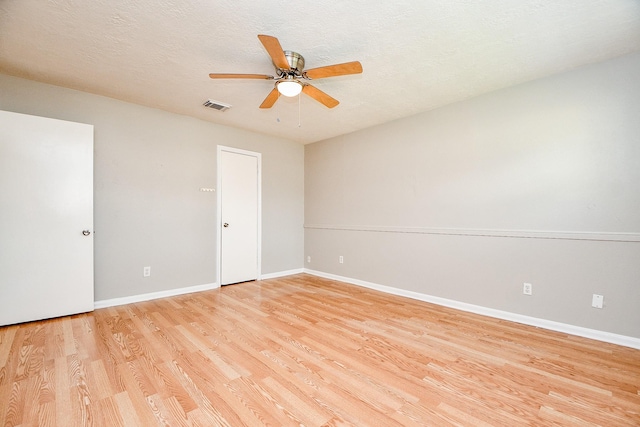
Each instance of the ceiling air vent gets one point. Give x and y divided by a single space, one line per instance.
216 105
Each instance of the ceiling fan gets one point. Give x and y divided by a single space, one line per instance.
290 75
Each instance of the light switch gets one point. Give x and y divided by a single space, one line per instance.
597 301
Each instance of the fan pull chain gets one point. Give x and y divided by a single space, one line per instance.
278 109
299 109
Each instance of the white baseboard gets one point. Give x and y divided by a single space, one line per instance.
153 295
180 291
499 314
281 274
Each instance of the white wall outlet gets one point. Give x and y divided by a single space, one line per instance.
146 272
309 259
527 288
597 301
341 259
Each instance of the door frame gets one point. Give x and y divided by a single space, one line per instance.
258 156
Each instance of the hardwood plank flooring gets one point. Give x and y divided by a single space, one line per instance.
302 350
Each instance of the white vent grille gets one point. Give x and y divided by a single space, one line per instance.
216 105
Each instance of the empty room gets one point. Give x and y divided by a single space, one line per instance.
410 213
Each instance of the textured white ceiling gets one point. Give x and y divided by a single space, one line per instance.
417 54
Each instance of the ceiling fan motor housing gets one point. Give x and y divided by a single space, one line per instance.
295 60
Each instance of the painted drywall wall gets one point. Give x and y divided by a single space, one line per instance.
148 207
538 183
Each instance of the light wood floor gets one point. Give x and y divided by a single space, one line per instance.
307 351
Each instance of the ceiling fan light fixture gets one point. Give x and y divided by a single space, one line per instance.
289 87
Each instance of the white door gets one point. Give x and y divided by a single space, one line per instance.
239 196
46 202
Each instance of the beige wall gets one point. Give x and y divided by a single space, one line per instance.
538 183
148 168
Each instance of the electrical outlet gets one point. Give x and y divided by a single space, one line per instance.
527 289
146 272
597 301
341 259
309 259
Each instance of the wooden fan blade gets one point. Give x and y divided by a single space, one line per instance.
270 99
320 96
275 51
240 76
335 70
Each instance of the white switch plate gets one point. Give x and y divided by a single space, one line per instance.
146 272
341 259
597 301
527 288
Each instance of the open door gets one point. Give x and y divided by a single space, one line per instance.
46 218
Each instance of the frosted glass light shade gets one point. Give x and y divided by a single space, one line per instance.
289 87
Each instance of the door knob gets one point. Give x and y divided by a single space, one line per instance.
225 225
85 232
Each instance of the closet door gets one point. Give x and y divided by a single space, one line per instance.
46 218
239 192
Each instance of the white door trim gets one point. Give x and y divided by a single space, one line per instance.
258 156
